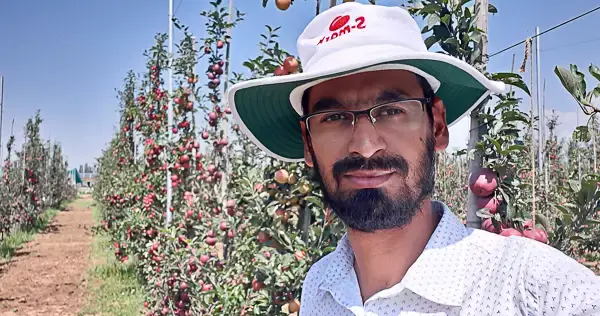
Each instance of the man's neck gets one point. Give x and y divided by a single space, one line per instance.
383 258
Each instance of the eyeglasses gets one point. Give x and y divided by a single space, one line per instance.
390 117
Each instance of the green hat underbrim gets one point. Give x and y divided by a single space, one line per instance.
267 116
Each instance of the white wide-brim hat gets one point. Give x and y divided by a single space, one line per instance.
344 40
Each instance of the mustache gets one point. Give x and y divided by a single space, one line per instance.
354 163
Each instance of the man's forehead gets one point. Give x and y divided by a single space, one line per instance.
369 87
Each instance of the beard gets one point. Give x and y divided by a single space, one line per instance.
371 209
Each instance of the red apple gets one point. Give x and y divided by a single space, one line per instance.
281 176
489 202
223 226
510 232
290 64
483 182
257 285
536 234
280 71
263 237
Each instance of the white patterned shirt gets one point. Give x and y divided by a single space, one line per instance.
462 271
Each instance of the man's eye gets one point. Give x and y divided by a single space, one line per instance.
390 111
335 117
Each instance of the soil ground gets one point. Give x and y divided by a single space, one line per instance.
48 275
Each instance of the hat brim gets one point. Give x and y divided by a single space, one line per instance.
268 110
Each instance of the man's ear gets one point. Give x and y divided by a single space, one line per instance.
305 138
440 126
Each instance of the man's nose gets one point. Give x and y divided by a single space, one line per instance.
365 139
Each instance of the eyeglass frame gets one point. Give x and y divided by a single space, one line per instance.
356 113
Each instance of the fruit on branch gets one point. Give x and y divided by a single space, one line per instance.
220 44
290 64
510 232
223 226
211 241
489 202
283 4
230 204
294 306
282 176
536 234
257 285
488 225
280 71
483 182
263 237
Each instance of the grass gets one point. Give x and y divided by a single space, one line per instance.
17 239
113 288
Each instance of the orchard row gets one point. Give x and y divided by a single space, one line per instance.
33 179
245 228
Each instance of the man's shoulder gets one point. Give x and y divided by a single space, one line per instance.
520 249
540 266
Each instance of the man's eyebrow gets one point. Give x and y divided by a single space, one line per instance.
385 96
391 95
327 104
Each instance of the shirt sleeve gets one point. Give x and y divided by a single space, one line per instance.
561 285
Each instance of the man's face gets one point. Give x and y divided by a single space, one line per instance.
374 176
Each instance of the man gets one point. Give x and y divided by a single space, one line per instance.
368 113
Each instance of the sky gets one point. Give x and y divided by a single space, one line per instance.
67 58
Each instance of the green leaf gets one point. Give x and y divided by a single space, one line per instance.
430 41
431 9
539 218
433 20
484 213
511 79
592 222
595 71
441 32
580 77
462 3
581 134
314 200
569 81
574 185
492 9
596 92
264 3
516 147
451 41
446 19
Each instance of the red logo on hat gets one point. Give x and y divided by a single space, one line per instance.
339 22
340 26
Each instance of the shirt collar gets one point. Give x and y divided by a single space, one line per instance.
437 275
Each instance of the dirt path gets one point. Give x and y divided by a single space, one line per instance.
47 276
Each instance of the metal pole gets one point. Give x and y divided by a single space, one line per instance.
594 142
1 115
170 112
476 124
224 123
512 69
547 156
578 150
539 106
193 94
